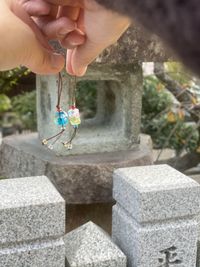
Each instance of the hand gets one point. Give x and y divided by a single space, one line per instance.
97 28
22 43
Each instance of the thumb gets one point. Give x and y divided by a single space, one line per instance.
80 57
22 47
39 59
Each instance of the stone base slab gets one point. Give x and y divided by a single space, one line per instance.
81 179
38 254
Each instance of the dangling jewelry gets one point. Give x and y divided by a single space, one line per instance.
63 118
74 118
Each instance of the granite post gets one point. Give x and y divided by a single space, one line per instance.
32 223
154 220
196 177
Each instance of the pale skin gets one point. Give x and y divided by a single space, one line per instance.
82 26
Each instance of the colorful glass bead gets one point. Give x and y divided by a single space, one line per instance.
44 142
61 118
74 116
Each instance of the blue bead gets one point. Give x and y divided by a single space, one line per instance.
61 118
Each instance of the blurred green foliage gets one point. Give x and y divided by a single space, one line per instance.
166 122
177 72
8 79
25 106
5 103
87 98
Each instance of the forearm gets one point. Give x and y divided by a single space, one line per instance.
176 22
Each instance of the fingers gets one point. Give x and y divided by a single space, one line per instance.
37 7
56 29
74 3
40 60
72 40
27 50
80 57
60 24
69 12
46 63
25 17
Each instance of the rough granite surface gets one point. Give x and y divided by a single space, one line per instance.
153 193
30 208
171 243
34 254
81 179
90 246
198 254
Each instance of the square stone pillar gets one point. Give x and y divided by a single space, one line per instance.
154 220
32 223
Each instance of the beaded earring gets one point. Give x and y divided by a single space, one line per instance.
62 118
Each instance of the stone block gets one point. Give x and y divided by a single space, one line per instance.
30 209
34 254
155 219
89 246
81 179
153 193
32 223
163 244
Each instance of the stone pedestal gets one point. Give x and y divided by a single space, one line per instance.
154 220
32 223
90 246
83 179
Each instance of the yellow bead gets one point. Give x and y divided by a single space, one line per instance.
44 142
65 145
68 146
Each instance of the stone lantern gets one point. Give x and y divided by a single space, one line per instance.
108 141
